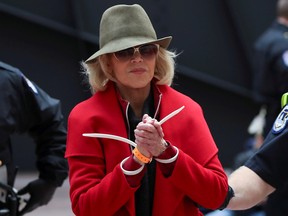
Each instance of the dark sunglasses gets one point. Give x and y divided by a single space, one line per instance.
147 51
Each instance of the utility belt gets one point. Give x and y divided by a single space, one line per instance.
3 181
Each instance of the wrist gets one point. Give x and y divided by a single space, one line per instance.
229 196
164 145
128 172
139 156
172 152
137 160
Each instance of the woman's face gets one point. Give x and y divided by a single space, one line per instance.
134 67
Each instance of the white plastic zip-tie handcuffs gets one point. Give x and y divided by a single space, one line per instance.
110 136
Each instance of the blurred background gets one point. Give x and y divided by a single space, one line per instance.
48 39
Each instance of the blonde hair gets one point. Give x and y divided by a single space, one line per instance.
98 75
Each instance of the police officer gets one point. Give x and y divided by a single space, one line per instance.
266 171
270 82
271 64
26 108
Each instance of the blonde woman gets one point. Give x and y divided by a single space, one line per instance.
173 166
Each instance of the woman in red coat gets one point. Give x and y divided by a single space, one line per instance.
173 167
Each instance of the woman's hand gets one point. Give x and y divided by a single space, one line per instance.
149 137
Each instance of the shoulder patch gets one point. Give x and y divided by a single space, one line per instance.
281 121
285 58
31 85
7 67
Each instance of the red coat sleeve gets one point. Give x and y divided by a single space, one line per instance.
97 183
198 173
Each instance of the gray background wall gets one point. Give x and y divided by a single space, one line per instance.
48 39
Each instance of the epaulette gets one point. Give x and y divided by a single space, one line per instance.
8 67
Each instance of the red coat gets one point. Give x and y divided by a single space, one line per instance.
98 185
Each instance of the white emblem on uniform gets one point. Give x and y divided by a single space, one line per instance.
281 121
30 84
285 58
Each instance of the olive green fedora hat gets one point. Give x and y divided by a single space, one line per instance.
123 26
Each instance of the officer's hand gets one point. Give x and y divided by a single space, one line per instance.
40 191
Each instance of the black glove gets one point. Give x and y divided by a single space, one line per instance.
41 192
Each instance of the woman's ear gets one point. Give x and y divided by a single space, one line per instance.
107 62
108 66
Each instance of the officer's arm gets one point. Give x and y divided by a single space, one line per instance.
50 135
249 189
46 127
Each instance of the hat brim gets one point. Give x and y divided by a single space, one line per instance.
125 43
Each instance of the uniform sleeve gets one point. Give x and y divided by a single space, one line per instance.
271 159
38 114
49 133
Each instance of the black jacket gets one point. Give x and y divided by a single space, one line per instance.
26 108
270 67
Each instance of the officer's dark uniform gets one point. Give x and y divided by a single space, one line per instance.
271 161
270 82
25 108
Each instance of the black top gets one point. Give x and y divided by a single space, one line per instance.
26 108
271 160
144 196
271 64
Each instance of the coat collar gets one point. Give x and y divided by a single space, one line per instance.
124 103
